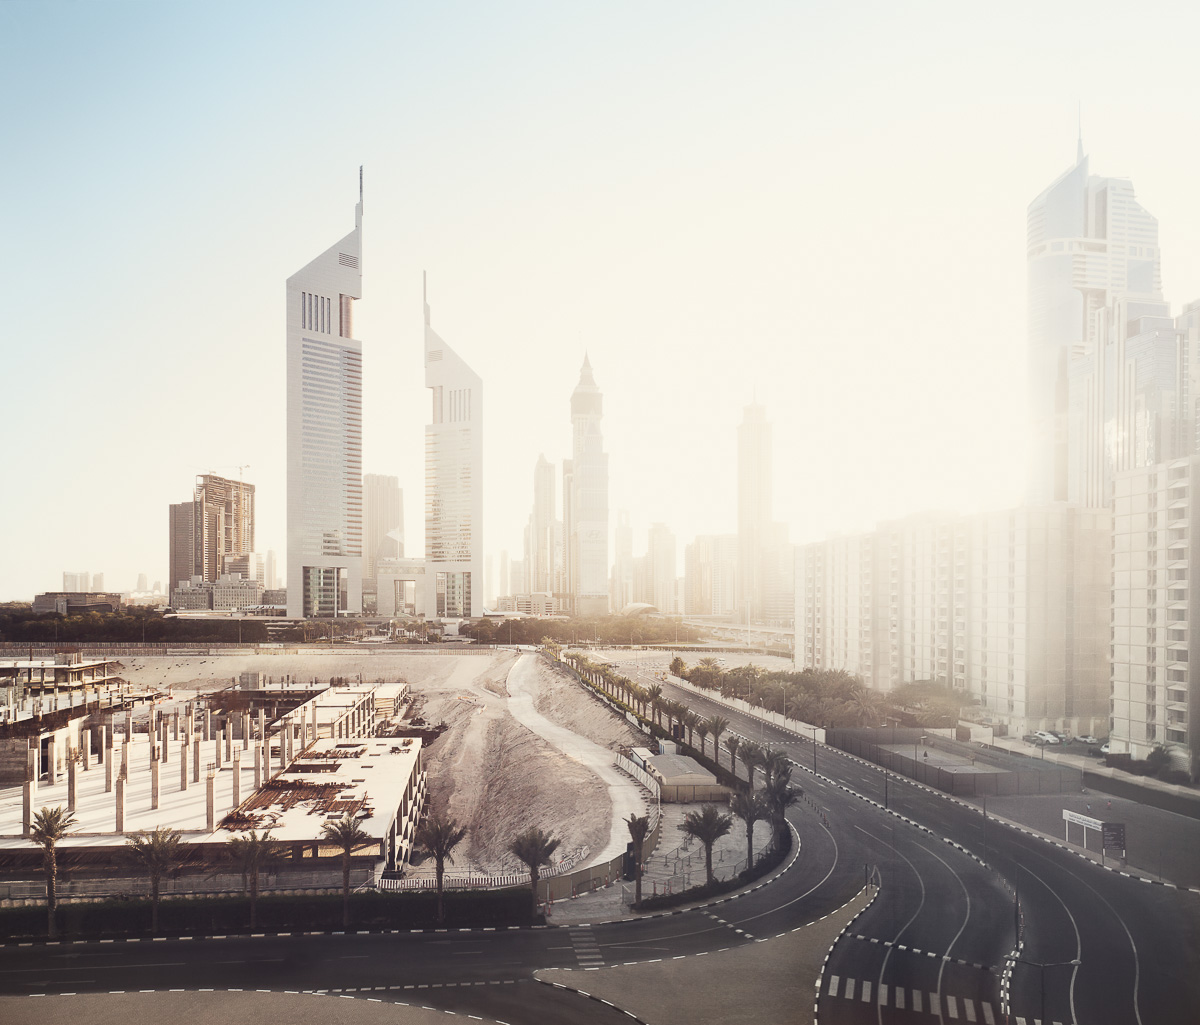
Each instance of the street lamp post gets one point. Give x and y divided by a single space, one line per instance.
1043 966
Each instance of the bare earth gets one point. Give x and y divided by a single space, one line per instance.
491 773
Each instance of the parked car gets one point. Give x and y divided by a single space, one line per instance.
1087 738
1104 748
1046 737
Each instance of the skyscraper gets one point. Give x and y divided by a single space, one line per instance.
324 432
453 483
660 557
585 501
621 587
540 558
754 510
1088 243
385 521
181 543
222 524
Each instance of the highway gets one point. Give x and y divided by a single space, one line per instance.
934 946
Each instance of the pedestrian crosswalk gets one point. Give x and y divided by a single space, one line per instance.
950 1008
587 950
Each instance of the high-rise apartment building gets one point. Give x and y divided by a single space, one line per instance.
1009 608
272 571
754 511
585 501
181 543
540 552
710 576
620 588
453 483
223 523
1088 244
77 582
324 432
384 522
660 556
1155 552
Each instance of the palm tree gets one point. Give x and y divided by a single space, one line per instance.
639 829
772 762
702 729
751 755
252 852
690 720
708 826
49 826
157 851
678 668
731 745
716 726
750 808
780 796
534 848
439 837
347 834
654 695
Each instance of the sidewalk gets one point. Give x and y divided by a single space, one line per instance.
674 865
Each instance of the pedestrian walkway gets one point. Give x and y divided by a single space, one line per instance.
943 1006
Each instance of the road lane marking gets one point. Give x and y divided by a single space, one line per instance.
833 985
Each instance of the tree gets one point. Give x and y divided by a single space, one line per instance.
654 694
750 808
49 826
716 726
731 745
639 829
702 729
158 851
439 837
251 853
772 762
708 826
779 796
690 721
677 666
751 755
534 848
347 834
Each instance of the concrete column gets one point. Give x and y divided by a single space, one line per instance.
175 725
217 749
162 741
52 761
85 742
108 773
72 783
129 727
108 740
258 767
29 792
183 752
154 782
125 760
211 804
196 760
262 724
228 731
120 804
237 777
245 720
208 724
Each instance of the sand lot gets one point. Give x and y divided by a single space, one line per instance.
492 774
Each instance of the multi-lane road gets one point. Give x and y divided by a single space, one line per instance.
959 897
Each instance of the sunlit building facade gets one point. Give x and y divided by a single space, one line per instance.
453 483
324 432
585 501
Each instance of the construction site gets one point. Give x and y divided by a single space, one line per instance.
216 746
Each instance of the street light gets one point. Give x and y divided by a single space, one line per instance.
1043 966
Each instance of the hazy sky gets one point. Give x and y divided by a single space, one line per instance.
820 204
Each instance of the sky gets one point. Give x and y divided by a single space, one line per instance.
819 207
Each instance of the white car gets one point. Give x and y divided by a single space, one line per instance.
1087 738
1046 738
1104 748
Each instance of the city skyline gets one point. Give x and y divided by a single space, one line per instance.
834 294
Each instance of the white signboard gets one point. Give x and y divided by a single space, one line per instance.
1081 820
